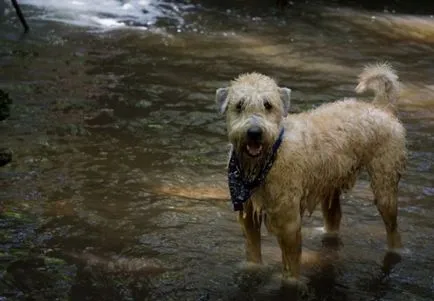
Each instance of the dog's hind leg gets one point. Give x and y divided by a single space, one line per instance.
386 202
384 183
250 222
331 210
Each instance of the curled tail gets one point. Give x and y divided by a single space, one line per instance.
382 80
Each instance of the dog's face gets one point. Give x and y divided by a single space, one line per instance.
254 106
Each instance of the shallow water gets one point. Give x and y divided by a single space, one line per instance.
117 188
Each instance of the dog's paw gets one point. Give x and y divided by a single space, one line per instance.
297 284
332 241
399 251
391 259
250 266
294 282
320 230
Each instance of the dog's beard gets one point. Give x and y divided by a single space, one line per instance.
252 157
251 154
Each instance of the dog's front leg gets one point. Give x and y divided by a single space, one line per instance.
250 222
290 244
286 225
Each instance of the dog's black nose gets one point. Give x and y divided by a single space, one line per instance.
254 133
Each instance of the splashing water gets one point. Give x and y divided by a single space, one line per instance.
106 14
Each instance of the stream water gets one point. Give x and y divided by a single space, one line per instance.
117 189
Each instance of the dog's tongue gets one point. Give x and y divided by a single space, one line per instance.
254 149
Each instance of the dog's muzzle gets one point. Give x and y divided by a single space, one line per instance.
254 141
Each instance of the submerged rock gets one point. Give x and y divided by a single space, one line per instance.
5 103
70 129
38 278
102 118
5 156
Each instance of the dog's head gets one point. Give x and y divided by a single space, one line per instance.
254 107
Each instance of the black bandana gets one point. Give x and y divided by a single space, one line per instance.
240 188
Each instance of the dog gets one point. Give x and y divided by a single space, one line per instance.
282 166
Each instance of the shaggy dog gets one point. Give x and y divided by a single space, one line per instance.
284 165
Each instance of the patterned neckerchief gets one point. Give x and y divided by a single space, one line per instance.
240 188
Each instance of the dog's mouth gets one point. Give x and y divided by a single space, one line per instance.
254 149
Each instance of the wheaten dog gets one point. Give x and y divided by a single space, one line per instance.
320 155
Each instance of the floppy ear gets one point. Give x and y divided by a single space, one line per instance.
221 98
285 96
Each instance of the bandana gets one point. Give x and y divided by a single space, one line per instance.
240 188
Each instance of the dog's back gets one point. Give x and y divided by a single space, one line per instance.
342 137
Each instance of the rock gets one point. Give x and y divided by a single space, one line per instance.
103 117
70 129
143 104
5 103
5 156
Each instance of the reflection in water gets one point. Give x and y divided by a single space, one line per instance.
399 27
117 190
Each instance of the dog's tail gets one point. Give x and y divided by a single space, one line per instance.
382 80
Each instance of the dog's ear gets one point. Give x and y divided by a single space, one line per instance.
221 98
285 96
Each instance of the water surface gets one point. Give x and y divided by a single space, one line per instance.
117 189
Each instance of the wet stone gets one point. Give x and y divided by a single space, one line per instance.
103 117
143 104
38 278
5 102
69 105
69 129
5 156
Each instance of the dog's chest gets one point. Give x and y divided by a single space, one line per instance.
263 197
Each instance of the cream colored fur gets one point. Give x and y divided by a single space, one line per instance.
321 155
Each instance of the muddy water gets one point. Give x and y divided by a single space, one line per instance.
117 188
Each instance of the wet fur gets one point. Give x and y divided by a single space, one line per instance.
321 155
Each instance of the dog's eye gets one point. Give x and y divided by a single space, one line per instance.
267 105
